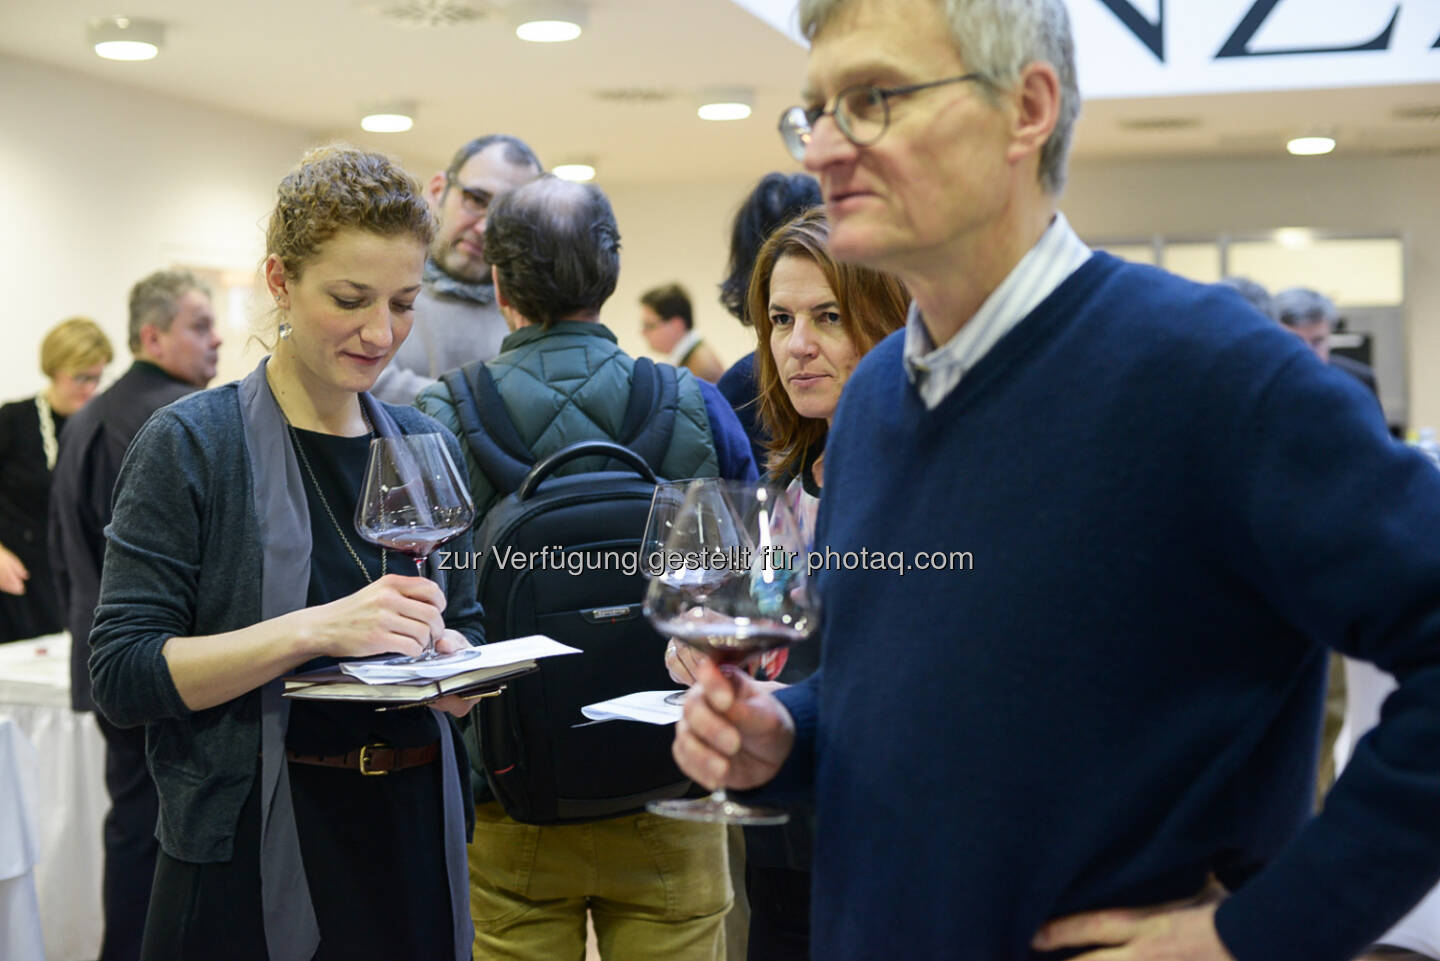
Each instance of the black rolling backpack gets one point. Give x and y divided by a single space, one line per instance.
543 768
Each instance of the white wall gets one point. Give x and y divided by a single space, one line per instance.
100 185
681 233
1209 197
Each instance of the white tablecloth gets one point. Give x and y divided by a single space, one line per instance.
21 937
67 795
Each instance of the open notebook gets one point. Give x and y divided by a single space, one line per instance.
393 680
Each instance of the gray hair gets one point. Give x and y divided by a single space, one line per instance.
155 300
1258 296
555 248
1303 306
999 39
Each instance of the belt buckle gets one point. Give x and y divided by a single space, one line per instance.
365 761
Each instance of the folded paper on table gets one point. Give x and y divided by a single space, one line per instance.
390 679
649 707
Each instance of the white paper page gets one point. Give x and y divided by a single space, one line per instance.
498 654
646 706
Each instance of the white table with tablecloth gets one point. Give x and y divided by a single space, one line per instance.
21 935
64 791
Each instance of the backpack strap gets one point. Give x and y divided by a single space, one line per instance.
488 429
650 415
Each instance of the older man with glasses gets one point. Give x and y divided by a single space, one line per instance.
456 319
1097 737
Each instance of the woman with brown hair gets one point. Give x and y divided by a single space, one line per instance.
815 318
73 356
233 559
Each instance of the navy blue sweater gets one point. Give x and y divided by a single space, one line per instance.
1171 510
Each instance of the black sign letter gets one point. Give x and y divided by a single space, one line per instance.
1239 43
1150 34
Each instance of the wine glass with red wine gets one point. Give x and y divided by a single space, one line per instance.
735 584
414 499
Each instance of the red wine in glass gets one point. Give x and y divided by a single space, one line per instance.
723 641
745 590
416 543
414 499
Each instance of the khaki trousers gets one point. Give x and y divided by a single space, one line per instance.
655 888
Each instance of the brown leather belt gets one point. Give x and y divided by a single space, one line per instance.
372 759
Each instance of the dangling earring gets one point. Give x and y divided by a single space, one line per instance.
285 331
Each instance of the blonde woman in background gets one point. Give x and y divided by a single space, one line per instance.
73 356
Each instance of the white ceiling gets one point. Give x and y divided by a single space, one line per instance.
623 96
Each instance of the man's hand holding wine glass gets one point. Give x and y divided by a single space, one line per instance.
733 731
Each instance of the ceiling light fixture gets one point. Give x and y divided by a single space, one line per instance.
124 38
549 21
1310 146
396 117
1294 238
575 173
726 103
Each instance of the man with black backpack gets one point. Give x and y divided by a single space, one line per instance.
560 828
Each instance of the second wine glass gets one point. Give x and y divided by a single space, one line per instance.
414 499
735 583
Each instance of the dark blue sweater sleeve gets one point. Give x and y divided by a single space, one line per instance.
795 781
732 447
1340 528
737 385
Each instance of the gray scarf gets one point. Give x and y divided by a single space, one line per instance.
436 279
291 930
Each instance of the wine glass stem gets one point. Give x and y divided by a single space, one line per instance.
429 651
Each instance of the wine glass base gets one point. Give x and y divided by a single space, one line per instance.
713 811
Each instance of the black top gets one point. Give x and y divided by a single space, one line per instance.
24 501
91 451
325 727
353 830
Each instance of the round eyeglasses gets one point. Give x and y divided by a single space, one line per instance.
862 113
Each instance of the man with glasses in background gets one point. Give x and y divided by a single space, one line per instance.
456 319
1097 740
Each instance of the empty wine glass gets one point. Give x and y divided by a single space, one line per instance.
735 583
414 499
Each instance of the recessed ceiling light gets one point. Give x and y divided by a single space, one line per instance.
548 21
1310 146
725 103
1294 238
395 117
723 111
548 31
576 173
124 38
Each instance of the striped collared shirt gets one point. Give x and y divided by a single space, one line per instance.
936 370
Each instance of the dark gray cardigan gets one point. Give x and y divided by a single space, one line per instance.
184 558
